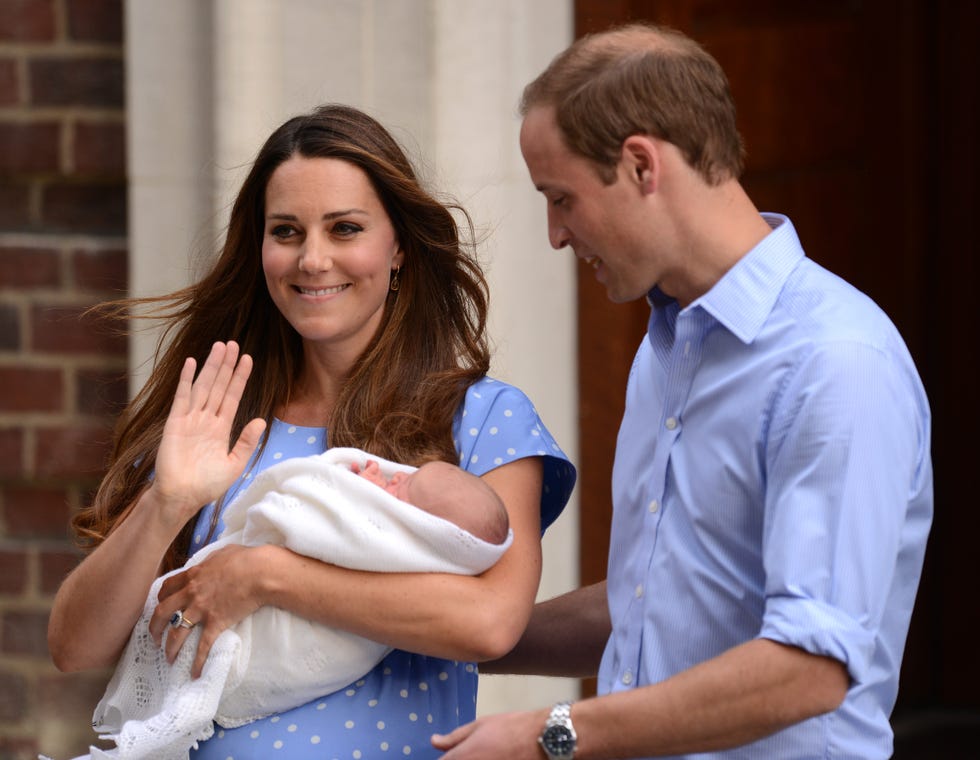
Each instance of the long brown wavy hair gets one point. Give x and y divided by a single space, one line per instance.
402 393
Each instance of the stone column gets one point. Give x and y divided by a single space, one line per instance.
207 82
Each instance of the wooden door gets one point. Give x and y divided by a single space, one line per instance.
860 121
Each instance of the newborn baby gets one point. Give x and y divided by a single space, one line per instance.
341 507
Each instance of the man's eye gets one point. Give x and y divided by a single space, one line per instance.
559 201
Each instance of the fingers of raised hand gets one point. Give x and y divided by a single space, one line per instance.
182 398
209 387
249 439
221 383
235 386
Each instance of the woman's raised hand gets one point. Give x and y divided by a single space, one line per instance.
194 463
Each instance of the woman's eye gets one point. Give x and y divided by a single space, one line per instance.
346 229
282 231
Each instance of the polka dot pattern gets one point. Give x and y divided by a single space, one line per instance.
393 710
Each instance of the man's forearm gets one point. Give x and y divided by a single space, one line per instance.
565 637
741 696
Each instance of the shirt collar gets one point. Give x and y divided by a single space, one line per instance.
745 296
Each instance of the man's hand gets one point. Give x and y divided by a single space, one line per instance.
513 736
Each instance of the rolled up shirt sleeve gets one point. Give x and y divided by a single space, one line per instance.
849 492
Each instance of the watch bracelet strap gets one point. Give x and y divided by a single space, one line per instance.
561 712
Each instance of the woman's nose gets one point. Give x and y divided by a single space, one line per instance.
315 256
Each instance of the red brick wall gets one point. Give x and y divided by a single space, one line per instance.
62 379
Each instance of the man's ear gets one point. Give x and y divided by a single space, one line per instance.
642 160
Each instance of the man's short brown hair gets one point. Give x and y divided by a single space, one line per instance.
641 79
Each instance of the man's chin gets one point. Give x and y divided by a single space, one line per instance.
618 294
618 297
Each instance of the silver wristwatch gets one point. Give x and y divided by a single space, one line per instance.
558 737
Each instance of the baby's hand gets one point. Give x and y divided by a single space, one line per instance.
371 471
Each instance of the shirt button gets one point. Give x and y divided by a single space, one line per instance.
639 590
654 506
627 678
671 423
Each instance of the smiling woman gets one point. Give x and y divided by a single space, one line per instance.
329 253
365 314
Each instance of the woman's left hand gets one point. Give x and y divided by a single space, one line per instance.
213 595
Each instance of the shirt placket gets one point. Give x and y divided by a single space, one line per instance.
684 358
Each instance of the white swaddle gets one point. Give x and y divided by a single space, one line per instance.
273 660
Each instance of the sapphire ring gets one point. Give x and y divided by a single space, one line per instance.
177 620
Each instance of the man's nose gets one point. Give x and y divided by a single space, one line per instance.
557 232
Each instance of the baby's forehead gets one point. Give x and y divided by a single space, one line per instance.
435 478
435 468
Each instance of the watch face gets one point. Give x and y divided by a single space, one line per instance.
558 741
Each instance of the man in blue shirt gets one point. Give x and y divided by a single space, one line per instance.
772 486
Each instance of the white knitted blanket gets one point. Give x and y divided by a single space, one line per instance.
273 660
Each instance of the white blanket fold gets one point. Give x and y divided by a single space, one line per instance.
273 660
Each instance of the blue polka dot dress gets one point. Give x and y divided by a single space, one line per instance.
393 710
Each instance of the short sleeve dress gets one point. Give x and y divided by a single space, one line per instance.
393 710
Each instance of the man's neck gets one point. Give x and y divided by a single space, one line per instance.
719 225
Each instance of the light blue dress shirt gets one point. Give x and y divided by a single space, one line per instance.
772 479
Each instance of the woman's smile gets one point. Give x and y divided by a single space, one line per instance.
317 292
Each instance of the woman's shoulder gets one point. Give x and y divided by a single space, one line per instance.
497 423
488 392
498 406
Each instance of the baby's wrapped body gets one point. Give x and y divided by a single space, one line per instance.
274 660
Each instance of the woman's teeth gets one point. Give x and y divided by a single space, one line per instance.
321 291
